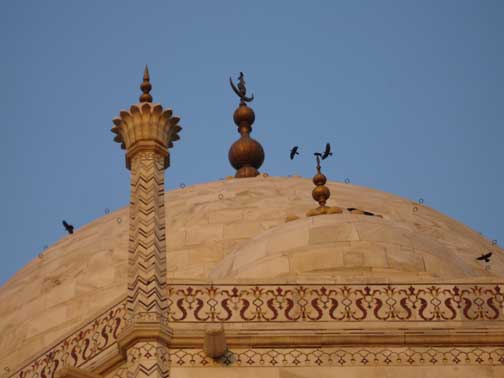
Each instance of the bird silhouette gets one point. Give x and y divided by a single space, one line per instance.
68 227
485 257
327 151
294 152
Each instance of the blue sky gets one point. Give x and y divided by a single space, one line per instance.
409 93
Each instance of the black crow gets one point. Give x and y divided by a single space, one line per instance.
294 152
327 151
485 257
68 227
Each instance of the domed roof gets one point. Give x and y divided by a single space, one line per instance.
236 231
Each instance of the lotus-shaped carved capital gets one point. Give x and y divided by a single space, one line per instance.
146 126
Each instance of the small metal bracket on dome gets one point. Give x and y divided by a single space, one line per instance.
347 181
355 211
494 242
182 185
107 210
41 254
421 201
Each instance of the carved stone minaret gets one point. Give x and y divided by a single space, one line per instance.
246 155
146 131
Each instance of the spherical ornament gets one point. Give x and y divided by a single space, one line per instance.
244 115
246 152
321 194
319 179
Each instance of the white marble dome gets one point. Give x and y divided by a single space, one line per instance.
234 231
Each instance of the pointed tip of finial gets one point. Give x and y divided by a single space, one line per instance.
146 86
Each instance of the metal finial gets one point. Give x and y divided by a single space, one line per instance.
146 87
317 156
241 91
321 193
246 155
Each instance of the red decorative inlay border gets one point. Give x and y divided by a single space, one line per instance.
348 303
313 357
80 347
284 303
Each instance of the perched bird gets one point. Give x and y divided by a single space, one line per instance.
68 227
485 257
294 152
327 151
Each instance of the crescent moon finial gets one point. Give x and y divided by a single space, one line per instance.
241 90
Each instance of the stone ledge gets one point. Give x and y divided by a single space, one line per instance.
72 372
287 338
143 331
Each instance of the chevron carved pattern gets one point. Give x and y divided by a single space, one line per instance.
147 132
148 359
147 255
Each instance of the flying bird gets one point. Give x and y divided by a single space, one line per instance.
327 151
294 152
68 227
485 257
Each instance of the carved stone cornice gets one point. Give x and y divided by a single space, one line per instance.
143 332
147 146
73 372
313 338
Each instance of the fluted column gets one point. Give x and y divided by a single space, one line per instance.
146 131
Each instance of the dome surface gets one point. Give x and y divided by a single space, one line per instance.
234 231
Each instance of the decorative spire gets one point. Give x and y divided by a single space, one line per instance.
135 133
146 87
246 155
146 131
321 193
